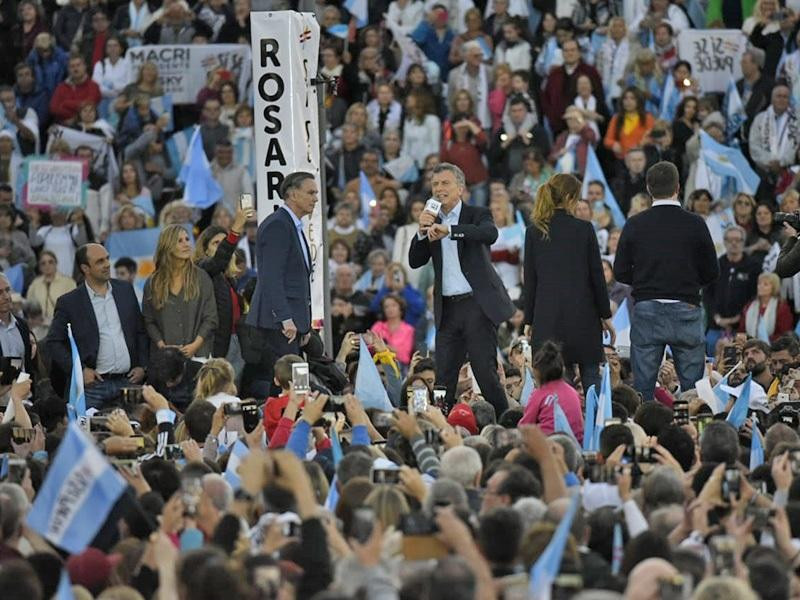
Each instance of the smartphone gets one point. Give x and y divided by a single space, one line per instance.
16 470
731 481
132 395
433 206
300 378
246 202
730 356
419 401
21 435
385 476
439 395
700 422
9 369
191 489
761 516
250 415
97 424
418 523
362 524
722 548
173 452
232 409
680 412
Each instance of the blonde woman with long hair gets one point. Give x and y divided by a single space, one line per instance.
565 295
178 306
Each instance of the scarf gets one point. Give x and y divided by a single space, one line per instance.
588 105
140 20
753 315
777 139
481 94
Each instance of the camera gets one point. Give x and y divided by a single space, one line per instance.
131 395
418 523
250 416
680 412
639 454
792 218
385 476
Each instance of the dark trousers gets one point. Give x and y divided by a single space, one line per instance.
465 331
259 370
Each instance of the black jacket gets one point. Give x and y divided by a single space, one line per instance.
25 333
474 234
565 293
789 259
758 101
216 266
75 307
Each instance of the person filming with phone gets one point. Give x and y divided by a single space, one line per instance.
470 300
281 305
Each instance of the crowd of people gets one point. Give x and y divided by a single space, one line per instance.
575 374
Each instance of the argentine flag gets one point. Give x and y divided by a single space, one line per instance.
756 447
734 113
369 388
592 173
177 145
546 569
561 423
738 413
357 8
622 326
77 396
368 198
78 493
728 162
603 405
588 421
201 190
238 452
528 385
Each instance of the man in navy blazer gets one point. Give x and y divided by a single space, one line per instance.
107 326
470 300
281 307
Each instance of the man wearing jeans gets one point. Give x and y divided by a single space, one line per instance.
667 256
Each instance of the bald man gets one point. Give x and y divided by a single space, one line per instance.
108 329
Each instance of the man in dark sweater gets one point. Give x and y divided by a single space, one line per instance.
667 255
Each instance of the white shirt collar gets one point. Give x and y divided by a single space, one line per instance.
453 214
93 294
297 222
667 202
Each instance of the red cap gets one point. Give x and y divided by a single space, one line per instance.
462 416
92 568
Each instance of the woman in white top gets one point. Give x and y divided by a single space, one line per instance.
384 112
65 234
49 285
422 128
513 50
506 252
216 384
405 15
403 237
113 73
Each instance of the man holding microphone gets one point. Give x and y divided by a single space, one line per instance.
470 301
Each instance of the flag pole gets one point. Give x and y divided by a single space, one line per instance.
321 83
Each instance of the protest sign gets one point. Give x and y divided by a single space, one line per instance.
183 69
715 56
105 162
54 183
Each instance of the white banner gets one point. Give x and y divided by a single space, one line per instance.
183 69
56 183
715 56
285 55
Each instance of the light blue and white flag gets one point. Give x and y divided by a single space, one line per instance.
238 452
77 396
738 413
528 385
622 326
561 423
369 388
604 412
546 569
78 493
336 447
670 99
761 329
588 421
201 189
594 172
162 105
756 446
728 162
333 495
64 591
244 153
735 115
358 8
617 549
177 145
340 30
368 198
16 277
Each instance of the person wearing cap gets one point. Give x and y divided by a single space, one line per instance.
281 304
572 145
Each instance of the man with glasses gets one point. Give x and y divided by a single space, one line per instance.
736 286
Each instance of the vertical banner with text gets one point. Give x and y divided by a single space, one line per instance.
285 54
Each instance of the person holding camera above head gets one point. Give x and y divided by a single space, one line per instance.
666 254
565 290
103 313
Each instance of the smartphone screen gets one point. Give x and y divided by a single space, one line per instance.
300 380
246 201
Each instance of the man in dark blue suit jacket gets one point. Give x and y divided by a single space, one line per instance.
103 312
281 305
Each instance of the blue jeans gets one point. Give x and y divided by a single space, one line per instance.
101 394
656 325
